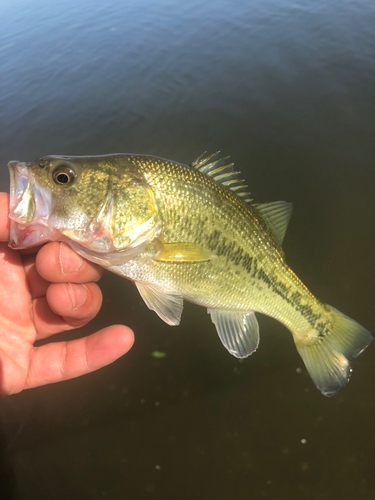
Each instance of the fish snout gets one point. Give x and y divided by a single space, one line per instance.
22 203
18 166
13 164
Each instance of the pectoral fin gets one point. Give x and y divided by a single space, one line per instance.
238 331
167 305
183 252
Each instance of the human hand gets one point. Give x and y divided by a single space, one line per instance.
42 294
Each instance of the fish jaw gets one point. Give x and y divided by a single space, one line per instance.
30 207
22 206
31 235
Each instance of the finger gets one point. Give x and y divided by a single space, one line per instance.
14 295
76 303
66 306
65 360
58 263
37 285
4 220
30 250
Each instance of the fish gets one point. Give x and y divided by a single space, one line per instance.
185 232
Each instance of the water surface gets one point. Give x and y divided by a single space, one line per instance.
287 88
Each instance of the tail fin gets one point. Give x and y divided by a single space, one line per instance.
327 360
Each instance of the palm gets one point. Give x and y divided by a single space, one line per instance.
17 329
41 295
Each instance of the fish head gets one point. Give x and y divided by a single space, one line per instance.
92 201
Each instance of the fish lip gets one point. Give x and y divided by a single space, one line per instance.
19 179
16 169
29 224
21 200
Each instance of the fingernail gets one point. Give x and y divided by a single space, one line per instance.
69 261
78 294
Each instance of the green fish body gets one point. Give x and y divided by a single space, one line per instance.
185 232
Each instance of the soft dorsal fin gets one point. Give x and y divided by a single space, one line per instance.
222 173
277 215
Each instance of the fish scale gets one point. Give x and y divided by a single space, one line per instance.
185 233
234 222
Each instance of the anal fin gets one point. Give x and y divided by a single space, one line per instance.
238 331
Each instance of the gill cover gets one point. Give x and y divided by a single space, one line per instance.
125 221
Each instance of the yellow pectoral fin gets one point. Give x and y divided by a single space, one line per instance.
183 252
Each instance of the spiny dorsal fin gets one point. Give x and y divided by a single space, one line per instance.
277 215
222 173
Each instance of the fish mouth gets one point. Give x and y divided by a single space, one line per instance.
22 204
29 208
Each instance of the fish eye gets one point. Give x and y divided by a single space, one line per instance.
63 175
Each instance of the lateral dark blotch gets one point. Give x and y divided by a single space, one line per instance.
265 278
248 261
229 249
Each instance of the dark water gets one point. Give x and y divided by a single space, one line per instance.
287 88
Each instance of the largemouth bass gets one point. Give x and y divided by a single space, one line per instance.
184 232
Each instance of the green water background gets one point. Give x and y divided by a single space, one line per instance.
287 88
